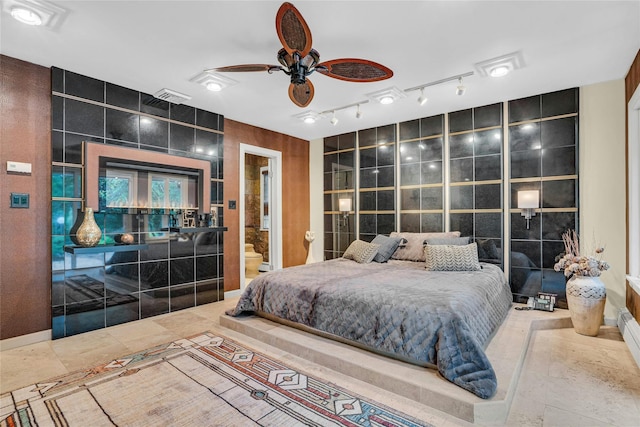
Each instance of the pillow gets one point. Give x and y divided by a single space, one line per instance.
451 257
361 252
388 246
489 248
414 248
458 241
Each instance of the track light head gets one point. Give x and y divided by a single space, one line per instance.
358 112
460 89
422 99
334 119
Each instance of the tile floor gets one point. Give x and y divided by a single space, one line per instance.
567 379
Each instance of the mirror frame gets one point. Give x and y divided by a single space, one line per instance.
94 152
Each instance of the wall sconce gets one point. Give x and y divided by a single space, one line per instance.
344 206
528 201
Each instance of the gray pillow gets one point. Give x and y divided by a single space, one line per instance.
361 252
489 247
457 241
451 257
388 246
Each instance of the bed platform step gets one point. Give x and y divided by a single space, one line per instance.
506 351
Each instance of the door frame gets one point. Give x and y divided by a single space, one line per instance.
275 234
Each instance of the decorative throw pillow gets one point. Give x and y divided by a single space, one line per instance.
458 241
490 249
388 246
361 252
414 248
451 258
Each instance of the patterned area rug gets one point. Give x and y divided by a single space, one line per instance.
204 380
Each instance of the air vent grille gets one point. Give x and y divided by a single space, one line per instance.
171 96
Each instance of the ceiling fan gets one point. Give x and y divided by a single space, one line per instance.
299 60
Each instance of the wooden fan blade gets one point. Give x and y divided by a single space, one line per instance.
354 70
248 68
301 94
293 31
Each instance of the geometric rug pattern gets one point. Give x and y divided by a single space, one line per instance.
203 380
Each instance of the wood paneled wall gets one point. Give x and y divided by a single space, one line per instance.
295 197
25 234
631 83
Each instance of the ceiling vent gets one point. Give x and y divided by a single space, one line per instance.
171 96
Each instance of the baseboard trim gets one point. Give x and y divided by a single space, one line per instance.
22 340
232 294
630 330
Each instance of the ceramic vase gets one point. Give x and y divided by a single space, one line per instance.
89 233
586 297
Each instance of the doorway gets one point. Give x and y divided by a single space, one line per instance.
260 211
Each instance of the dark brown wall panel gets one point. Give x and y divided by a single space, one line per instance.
25 243
631 83
295 189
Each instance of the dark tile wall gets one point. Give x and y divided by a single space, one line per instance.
421 174
543 139
176 271
543 155
377 181
339 183
475 176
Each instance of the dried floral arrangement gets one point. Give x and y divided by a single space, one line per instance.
574 264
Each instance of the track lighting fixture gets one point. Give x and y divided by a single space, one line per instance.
358 113
334 119
422 99
460 89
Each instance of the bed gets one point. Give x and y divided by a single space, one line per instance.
437 319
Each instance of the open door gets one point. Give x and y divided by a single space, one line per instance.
260 212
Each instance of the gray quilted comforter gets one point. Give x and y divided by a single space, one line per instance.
436 319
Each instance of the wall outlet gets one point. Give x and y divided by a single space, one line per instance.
20 200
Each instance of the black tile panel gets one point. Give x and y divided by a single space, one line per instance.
81 117
83 86
122 97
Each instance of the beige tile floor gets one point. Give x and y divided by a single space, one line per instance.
567 379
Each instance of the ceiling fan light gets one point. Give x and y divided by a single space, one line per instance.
386 100
311 59
285 58
309 120
26 16
214 87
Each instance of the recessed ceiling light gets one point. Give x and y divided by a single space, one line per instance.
387 96
213 81
499 71
309 117
500 66
35 12
26 16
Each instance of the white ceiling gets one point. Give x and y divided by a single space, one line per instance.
150 45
